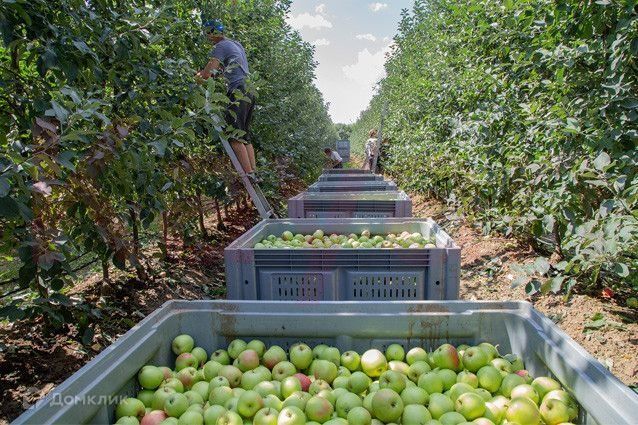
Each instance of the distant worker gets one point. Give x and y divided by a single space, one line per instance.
335 159
371 148
229 57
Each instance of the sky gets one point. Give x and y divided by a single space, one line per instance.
351 38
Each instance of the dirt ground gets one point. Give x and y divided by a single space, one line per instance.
32 363
486 275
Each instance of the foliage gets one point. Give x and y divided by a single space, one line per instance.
107 130
343 131
524 116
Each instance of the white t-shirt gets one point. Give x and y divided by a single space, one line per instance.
336 157
371 146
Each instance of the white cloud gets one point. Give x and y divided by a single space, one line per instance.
307 20
322 42
368 69
368 37
376 7
321 9
386 39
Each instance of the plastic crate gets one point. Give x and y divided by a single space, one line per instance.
350 205
343 274
515 326
346 171
343 149
350 177
347 186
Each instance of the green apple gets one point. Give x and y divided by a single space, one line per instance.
331 354
127 420
470 405
485 394
318 234
489 350
185 360
272 356
202 388
431 382
318 409
265 388
543 385
273 402
200 354
327 394
343 371
160 396
448 376
221 357
235 348
182 344
458 389
173 383
266 416
358 382
336 393
188 376
290 385
495 411
416 369
150 377
258 346
291 415
502 365
351 360
318 385
231 404
301 356
446 357
191 418
283 370
250 402
347 402
414 395
523 411
230 418
196 408
482 421
212 414
387 405
237 392
220 395
232 373
440 404
415 414
247 360
475 358
525 390
325 370
146 397
554 411
373 363
250 379
394 352
392 380
359 416
340 382
298 399
416 354
489 378
367 401
175 405
509 382
565 398
130 407
194 398
468 378
398 366
219 381
525 375
451 418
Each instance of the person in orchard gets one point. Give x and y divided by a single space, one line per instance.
228 58
335 159
371 148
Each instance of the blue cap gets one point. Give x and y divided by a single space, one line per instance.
214 25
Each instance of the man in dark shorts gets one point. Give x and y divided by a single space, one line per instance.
229 56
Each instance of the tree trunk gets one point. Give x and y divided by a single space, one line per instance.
220 219
200 214
165 233
139 268
105 270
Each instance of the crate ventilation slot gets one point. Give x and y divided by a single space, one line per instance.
387 287
307 287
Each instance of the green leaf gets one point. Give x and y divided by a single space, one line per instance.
602 161
541 265
5 187
621 269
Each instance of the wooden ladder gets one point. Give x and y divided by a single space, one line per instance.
256 195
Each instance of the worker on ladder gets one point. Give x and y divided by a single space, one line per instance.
334 158
371 149
229 56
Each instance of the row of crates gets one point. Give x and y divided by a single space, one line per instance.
345 201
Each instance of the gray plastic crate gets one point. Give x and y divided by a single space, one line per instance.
346 171
343 274
350 177
515 326
350 205
347 186
343 149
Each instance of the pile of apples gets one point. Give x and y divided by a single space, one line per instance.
250 383
319 240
